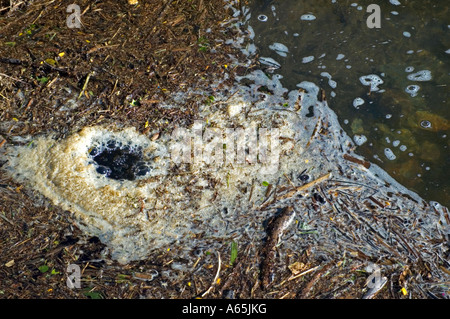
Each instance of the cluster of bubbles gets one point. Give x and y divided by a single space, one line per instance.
371 80
119 161
420 76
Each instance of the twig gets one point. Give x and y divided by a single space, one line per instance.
85 85
215 278
303 273
306 186
13 78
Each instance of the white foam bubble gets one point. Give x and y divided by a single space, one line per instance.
396 143
371 80
331 82
279 48
357 102
389 154
308 59
409 69
263 18
308 17
422 75
360 139
340 56
402 148
269 61
412 90
395 2
406 34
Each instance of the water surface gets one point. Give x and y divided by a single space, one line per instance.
388 85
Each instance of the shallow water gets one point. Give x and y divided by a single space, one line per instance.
401 122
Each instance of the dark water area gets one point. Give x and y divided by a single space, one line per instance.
388 85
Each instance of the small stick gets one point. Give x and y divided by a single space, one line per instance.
85 85
306 186
303 273
215 278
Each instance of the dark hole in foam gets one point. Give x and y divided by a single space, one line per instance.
119 161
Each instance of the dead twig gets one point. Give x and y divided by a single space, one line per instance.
216 277
306 186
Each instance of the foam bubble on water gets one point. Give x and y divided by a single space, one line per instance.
396 143
340 56
371 80
425 124
395 13
389 154
410 52
395 2
360 139
308 59
409 69
406 34
422 75
250 32
331 82
279 48
357 102
388 116
308 17
263 18
412 90
402 148
270 62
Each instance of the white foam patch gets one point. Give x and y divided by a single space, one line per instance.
389 154
270 62
279 48
308 59
422 75
331 82
308 17
412 90
360 139
371 80
357 102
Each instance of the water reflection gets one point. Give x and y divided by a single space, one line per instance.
389 86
